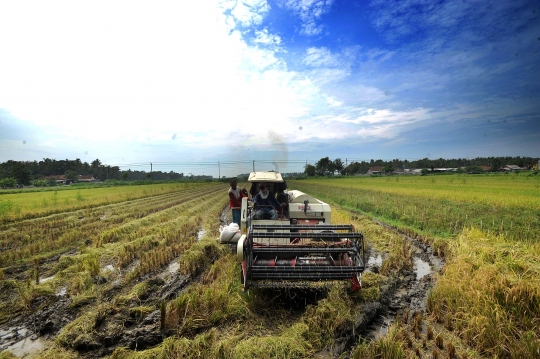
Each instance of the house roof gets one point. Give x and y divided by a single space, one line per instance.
56 177
86 176
376 169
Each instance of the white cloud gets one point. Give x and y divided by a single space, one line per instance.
320 57
333 102
373 116
264 37
310 12
130 71
250 12
327 66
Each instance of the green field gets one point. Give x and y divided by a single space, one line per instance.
16 205
441 206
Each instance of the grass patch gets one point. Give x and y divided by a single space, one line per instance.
202 253
389 347
205 305
81 333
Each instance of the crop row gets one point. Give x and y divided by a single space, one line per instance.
143 243
24 239
140 247
27 205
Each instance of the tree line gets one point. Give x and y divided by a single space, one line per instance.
327 167
14 173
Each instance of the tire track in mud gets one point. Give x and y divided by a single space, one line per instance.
404 294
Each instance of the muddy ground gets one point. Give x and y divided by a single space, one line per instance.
28 333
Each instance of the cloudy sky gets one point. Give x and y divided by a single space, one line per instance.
185 84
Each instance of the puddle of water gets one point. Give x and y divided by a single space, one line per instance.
21 341
374 261
437 263
200 234
381 332
43 280
133 265
379 328
27 346
171 268
421 268
108 267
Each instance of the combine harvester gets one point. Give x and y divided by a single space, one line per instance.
299 249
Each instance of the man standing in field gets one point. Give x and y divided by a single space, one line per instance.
235 201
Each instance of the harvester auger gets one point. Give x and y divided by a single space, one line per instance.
298 249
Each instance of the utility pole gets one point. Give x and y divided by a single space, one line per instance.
253 165
219 170
151 176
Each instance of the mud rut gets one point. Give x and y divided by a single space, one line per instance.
407 292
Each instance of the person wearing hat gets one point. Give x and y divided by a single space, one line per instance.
265 203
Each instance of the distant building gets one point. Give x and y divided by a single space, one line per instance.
87 178
57 178
439 170
511 168
375 170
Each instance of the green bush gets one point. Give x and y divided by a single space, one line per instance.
8 182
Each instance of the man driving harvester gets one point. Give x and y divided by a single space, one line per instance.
266 204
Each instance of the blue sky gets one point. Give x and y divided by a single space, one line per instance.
185 84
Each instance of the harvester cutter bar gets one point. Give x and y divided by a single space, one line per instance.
321 235
307 269
322 227
302 250
273 283
305 275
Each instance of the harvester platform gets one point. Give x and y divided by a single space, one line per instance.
278 255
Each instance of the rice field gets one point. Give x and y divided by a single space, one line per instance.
442 206
43 202
487 298
134 274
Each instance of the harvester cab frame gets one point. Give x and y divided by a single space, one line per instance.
301 248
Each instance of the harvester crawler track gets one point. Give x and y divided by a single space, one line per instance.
293 254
